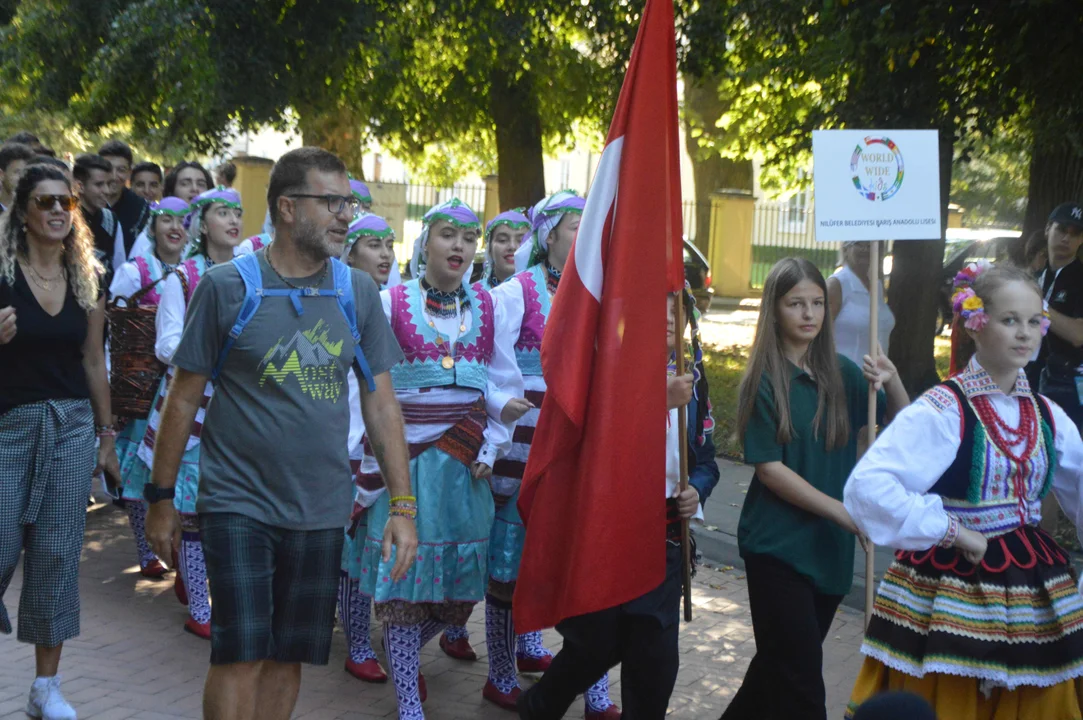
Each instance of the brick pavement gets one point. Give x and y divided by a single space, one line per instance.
134 661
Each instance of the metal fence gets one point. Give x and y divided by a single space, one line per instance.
419 198
786 229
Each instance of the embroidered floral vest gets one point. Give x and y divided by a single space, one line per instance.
978 487
422 366
193 269
150 272
536 307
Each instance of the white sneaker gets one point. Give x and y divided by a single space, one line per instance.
47 702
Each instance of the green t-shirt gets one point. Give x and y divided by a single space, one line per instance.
816 548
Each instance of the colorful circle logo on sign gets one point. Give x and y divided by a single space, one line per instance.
877 165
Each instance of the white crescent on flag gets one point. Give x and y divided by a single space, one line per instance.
601 202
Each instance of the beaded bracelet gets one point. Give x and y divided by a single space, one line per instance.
952 534
403 498
107 433
405 511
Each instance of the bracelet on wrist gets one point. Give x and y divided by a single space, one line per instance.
107 433
952 534
403 511
403 498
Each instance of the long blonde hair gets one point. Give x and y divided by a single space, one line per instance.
767 358
84 270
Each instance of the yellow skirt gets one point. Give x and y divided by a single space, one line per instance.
958 698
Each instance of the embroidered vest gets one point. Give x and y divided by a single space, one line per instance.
536 307
150 271
978 486
193 269
422 366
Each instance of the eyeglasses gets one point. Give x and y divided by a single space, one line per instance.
335 203
46 202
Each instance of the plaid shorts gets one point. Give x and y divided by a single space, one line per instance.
273 591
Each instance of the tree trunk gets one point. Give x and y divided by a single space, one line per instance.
336 130
1056 176
915 292
513 106
703 106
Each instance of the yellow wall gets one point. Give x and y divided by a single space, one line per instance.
253 173
730 254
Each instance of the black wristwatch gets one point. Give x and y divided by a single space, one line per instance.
152 493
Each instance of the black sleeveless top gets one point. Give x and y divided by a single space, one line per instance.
44 361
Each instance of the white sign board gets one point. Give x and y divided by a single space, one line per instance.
876 184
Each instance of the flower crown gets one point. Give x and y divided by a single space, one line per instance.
967 305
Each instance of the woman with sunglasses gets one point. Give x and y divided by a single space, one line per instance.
214 231
146 272
54 399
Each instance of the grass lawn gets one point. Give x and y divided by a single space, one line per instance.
725 366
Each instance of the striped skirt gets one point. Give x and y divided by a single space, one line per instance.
1011 623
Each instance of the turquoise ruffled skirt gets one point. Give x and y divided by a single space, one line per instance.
133 475
506 542
454 519
187 487
353 547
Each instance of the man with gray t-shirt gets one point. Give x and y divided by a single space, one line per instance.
275 487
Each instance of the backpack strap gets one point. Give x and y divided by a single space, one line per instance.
248 267
344 289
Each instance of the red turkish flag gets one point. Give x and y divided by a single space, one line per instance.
593 493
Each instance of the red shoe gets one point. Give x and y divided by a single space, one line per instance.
503 700
533 665
422 689
154 570
610 713
178 582
460 649
369 671
202 630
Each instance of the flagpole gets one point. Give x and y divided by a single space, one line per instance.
874 350
682 430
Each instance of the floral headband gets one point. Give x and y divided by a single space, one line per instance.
967 305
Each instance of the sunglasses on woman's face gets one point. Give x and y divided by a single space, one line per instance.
46 202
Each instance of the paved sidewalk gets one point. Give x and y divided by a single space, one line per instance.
134 661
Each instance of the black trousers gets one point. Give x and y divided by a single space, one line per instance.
640 635
790 620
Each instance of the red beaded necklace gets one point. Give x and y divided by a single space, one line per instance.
1005 438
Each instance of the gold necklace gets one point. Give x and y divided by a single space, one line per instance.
448 361
45 283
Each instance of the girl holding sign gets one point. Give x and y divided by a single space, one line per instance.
979 613
801 407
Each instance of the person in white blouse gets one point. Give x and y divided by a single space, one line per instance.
458 375
848 296
980 603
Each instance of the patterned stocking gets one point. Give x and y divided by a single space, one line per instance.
498 636
137 519
354 611
529 645
430 629
402 645
597 696
454 632
193 569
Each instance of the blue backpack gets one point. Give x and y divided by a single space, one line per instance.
254 292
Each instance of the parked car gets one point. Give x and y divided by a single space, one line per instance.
697 271
957 254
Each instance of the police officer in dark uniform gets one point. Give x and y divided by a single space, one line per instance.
1062 286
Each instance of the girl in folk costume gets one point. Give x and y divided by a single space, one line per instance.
369 247
504 234
526 299
166 228
979 613
456 379
800 410
214 231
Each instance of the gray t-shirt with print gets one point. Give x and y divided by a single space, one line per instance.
274 437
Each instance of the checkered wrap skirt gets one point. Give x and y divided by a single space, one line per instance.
46 458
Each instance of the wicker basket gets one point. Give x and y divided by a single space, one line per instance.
134 368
